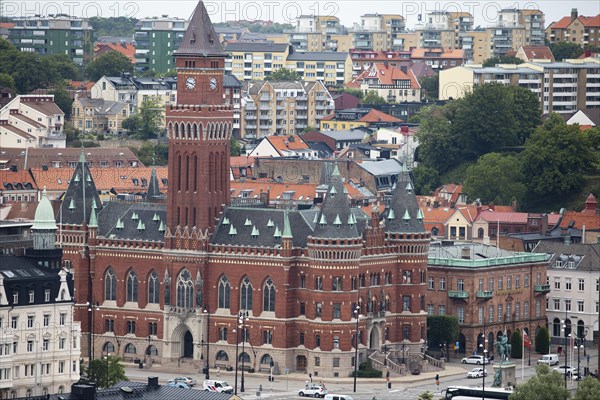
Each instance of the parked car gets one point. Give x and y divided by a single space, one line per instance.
211 385
338 397
182 385
569 370
476 373
475 360
185 379
313 390
550 359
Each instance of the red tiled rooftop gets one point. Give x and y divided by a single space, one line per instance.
562 23
378 116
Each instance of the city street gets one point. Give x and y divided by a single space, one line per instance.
409 387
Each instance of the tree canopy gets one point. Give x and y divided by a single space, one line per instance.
542 341
150 154
111 63
146 123
371 97
491 62
442 329
430 87
495 178
545 385
565 50
105 372
63 100
113 26
284 74
589 389
555 159
516 344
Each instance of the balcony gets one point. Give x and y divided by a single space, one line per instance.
250 126
302 98
301 107
484 294
321 97
265 107
542 289
250 107
458 294
250 117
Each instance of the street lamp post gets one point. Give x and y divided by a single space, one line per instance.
237 342
207 376
578 346
585 333
243 317
91 309
485 351
566 346
107 364
356 315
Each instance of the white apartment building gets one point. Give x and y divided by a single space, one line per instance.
574 279
39 339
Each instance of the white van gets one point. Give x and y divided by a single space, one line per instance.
550 359
217 386
337 397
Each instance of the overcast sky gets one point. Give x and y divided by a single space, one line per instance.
349 11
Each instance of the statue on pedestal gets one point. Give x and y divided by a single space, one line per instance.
503 348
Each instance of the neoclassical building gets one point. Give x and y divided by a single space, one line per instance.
167 278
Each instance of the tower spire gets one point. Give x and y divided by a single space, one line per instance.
287 228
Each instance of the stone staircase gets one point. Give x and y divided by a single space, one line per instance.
392 362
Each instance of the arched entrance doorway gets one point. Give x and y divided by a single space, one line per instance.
462 344
188 345
375 339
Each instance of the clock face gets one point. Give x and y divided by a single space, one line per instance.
213 83
190 82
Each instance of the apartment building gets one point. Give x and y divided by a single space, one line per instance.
332 68
156 39
390 83
363 59
255 60
54 35
443 29
282 108
477 46
573 277
563 87
319 33
352 118
39 340
488 290
575 29
516 28
32 121
438 59
379 32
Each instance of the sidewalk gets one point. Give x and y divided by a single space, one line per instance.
451 370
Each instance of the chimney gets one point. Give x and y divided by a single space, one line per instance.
567 240
513 206
574 14
153 382
544 224
83 391
465 253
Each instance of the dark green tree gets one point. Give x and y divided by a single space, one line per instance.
430 87
371 97
526 107
284 74
235 148
104 372
565 50
150 154
542 341
63 66
486 122
495 178
111 63
442 329
491 62
426 179
30 72
113 26
588 389
593 136
63 100
516 344
353 91
309 129
437 146
555 159
145 124
545 385
7 83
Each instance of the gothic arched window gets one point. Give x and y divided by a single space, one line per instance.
153 288
132 286
185 290
246 294
269 296
224 292
110 285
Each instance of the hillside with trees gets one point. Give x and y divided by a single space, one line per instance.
494 142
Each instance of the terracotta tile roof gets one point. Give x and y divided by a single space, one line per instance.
87 85
126 49
590 22
562 23
282 143
538 52
328 117
22 211
374 116
299 192
23 177
119 179
469 212
241 161
387 74
578 219
6 25
513 217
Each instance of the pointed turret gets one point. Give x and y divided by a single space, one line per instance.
403 202
81 196
44 225
335 214
93 219
287 228
153 193
200 38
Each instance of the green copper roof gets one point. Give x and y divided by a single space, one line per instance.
277 233
420 214
72 205
391 214
287 228
93 219
225 221
406 216
44 214
337 221
232 231
161 228
255 231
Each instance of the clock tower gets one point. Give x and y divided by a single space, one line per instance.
199 128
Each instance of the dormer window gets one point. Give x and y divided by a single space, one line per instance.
15 297
558 264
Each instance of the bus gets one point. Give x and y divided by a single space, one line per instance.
470 393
